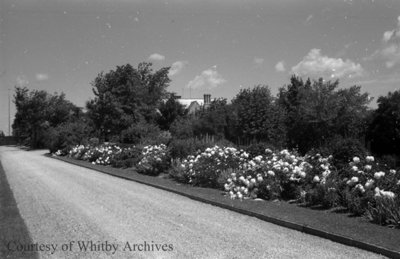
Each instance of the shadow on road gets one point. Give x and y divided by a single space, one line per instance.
13 230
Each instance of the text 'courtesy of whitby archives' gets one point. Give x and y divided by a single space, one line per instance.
88 246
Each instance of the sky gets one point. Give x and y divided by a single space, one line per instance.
215 47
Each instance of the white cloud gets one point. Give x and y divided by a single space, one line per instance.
209 78
315 64
177 67
280 66
156 57
42 77
390 49
258 61
22 81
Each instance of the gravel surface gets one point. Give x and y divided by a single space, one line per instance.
63 204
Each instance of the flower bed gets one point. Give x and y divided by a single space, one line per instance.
363 186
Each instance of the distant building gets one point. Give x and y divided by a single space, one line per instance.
194 105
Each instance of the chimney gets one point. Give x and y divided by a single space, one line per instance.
207 100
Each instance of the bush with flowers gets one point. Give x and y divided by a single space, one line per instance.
78 151
363 180
204 168
154 160
127 157
270 175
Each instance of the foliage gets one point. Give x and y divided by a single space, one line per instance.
128 157
154 160
37 111
126 96
64 136
219 120
181 148
384 211
138 132
259 118
205 168
384 130
170 110
318 112
182 128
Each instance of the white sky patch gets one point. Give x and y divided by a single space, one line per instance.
42 77
156 57
280 66
315 64
177 67
258 61
22 81
209 78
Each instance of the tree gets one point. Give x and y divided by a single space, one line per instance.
259 117
384 130
37 111
126 96
170 110
216 120
317 112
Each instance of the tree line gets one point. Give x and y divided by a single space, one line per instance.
132 105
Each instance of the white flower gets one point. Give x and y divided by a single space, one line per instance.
260 179
271 173
379 175
326 173
392 171
370 159
369 183
354 179
356 159
268 150
302 174
377 191
316 179
354 168
227 187
368 167
360 187
388 194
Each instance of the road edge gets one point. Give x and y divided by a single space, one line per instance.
12 221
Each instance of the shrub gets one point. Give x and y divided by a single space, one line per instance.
140 131
343 150
258 149
128 157
177 171
164 137
384 211
63 137
205 168
154 160
181 148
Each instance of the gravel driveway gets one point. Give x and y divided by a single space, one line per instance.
66 207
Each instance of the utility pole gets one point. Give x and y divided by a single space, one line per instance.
9 113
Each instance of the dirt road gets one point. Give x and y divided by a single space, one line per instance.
92 215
